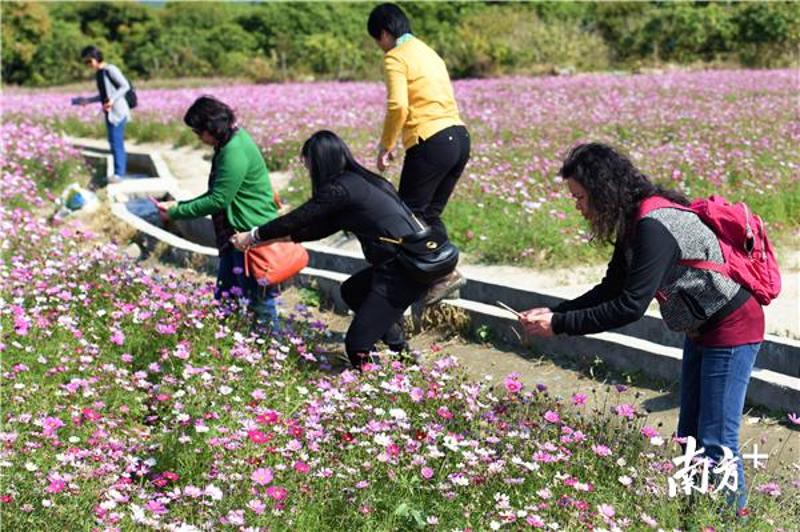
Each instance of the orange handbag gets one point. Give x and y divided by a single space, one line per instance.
275 263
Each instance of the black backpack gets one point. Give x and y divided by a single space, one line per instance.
130 96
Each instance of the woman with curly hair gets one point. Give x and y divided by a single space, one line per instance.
723 322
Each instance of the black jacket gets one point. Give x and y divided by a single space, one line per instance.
367 207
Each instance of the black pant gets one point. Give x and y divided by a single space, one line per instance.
378 295
430 172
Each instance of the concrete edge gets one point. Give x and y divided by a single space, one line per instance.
778 354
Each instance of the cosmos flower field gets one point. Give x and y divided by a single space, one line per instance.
132 400
726 132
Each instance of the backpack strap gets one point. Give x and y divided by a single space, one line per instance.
653 203
110 79
648 205
706 265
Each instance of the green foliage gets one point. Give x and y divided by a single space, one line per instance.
279 41
513 38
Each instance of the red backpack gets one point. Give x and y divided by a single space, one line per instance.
749 258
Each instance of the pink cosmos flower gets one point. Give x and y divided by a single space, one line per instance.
535 521
262 476
51 425
270 417
579 399
56 486
552 417
278 493
772 489
606 510
512 383
117 337
156 507
601 450
301 467
256 436
257 506
649 521
625 410
416 394
426 472
648 432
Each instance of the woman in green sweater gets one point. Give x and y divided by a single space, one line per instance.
239 197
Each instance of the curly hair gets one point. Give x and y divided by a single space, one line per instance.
614 186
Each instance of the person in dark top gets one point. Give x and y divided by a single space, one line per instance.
347 196
723 323
239 196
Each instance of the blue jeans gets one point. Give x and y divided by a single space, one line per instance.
232 282
116 139
713 387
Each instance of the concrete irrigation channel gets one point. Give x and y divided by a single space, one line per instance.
646 346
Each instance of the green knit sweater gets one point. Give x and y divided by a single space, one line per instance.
242 187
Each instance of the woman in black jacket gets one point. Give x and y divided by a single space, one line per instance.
654 249
347 196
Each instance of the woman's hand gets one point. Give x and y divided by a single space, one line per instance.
532 313
538 324
163 209
107 105
242 241
384 158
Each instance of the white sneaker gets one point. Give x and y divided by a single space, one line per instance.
114 179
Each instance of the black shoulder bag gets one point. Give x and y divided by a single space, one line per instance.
425 259
130 95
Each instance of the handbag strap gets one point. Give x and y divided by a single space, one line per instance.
398 199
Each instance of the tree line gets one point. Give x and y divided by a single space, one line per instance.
41 42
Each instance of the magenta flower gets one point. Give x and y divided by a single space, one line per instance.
278 493
256 436
552 417
444 412
648 432
625 410
579 399
56 486
512 383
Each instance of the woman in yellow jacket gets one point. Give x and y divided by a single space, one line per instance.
422 108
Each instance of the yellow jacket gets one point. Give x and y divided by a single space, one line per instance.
420 100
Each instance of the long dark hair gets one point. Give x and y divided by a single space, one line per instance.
213 116
329 157
388 17
614 186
